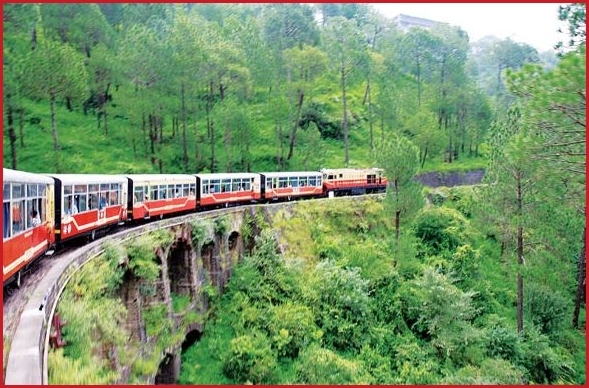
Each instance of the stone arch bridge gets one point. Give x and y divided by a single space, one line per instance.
193 259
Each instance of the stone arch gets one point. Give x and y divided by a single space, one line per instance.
168 370
179 262
235 242
131 297
210 261
192 337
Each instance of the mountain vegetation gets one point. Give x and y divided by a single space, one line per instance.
241 87
475 285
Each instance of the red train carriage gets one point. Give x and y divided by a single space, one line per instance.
350 181
86 203
153 195
27 220
287 185
223 189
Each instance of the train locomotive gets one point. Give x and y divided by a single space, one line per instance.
41 212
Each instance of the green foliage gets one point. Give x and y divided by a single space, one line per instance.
180 303
250 359
156 320
441 230
220 225
413 363
142 258
198 232
437 311
95 332
65 370
341 303
546 308
319 366
491 372
292 328
544 363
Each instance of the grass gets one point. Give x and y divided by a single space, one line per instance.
85 148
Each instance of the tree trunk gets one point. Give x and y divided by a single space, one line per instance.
11 134
184 141
581 275
210 127
53 122
143 129
424 156
103 108
370 126
21 126
293 133
152 137
520 258
345 117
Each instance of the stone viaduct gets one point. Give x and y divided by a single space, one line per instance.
184 266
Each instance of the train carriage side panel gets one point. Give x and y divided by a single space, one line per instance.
160 195
291 185
224 189
25 237
85 203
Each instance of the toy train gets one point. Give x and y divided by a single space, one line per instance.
42 211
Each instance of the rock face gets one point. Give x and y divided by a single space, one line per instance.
449 179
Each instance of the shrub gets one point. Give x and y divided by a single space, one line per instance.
440 229
250 359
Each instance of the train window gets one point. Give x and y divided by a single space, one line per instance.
18 216
32 190
282 182
93 188
104 187
215 185
92 201
113 198
236 185
18 190
293 182
312 181
185 190
192 189
246 185
80 189
206 187
138 194
81 203
6 192
303 181
67 189
6 218
226 185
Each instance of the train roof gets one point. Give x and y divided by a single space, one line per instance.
70 179
290 174
227 175
9 175
161 177
332 170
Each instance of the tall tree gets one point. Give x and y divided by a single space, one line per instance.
303 65
512 192
554 107
400 160
54 71
186 56
348 50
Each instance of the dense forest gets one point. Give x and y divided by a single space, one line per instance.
484 285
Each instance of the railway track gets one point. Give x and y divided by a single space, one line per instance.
15 298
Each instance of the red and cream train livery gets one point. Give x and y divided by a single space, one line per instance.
41 211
